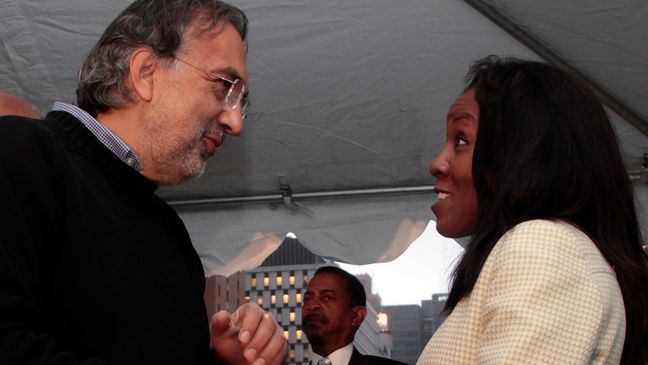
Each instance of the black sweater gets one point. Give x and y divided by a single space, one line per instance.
94 267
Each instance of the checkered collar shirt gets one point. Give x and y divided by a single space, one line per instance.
107 137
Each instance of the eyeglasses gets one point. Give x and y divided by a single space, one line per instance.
235 88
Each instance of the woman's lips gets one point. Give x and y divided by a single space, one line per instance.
441 196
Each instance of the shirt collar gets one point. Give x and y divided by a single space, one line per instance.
341 356
103 134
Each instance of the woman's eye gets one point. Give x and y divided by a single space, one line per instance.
460 141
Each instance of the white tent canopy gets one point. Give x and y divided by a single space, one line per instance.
348 107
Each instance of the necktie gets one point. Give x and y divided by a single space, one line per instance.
324 361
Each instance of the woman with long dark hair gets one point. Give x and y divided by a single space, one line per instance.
554 272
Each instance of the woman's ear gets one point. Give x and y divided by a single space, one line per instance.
143 64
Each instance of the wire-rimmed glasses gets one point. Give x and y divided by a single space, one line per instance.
235 88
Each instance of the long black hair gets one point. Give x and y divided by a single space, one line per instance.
545 149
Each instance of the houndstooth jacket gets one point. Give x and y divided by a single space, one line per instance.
545 295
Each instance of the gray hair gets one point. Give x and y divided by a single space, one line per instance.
157 24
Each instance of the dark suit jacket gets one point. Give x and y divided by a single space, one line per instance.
359 359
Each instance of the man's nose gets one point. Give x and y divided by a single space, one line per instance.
231 121
312 304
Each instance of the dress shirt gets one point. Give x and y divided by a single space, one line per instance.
341 356
103 134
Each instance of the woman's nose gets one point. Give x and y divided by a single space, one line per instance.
439 165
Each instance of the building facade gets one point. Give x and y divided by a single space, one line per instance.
431 316
405 324
412 326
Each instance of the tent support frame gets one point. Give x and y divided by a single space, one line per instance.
279 197
550 57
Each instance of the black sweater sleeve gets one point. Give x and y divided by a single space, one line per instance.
30 205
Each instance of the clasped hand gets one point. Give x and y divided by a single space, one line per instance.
250 335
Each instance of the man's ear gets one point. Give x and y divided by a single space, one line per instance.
143 64
359 314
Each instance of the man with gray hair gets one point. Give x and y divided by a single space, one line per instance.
94 267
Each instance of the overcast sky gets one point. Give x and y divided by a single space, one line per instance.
422 270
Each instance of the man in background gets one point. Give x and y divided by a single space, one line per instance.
12 105
94 268
334 308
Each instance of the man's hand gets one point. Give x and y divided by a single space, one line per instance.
248 336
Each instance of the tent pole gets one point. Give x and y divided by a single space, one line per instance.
545 53
278 198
